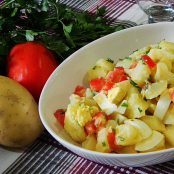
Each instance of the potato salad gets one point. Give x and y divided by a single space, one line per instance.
128 106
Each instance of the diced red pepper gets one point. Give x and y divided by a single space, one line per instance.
90 128
122 78
151 64
97 84
79 90
114 76
171 93
60 116
110 133
119 70
108 85
133 65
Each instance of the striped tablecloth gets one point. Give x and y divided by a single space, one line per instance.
46 155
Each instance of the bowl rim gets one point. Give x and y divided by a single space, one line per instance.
80 149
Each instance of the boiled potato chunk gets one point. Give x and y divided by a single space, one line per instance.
162 73
136 104
155 89
126 150
167 45
168 63
153 122
168 133
125 63
127 134
97 71
112 124
100 69
20 123
119 118
105 64
140 73
102 142
72 126
154 139
90 142
157 54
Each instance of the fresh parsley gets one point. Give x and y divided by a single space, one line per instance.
134 51
121 138
63 31
110 60
61 112
129 58
146 86
93 92
103 144
94 67
135 85
124 104
150 77
139 110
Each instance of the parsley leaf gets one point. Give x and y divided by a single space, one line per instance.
124 105
139 110
135 85
103 144
121 138
110 60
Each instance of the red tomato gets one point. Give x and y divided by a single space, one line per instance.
79 90
108 85
30 64
111 139
90 128
97 84
60 116
150 63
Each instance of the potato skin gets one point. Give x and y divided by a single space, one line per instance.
20 123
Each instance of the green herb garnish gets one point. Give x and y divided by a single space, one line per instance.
146 86
147 52
150 77
124 104
94 67
139 110
61 112
135 85
121 138
110 60
103 144
93 92
128 58
145 99
134 51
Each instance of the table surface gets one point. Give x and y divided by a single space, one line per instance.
46 155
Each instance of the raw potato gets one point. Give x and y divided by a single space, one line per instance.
20 123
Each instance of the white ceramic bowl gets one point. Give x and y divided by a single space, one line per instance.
73 72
